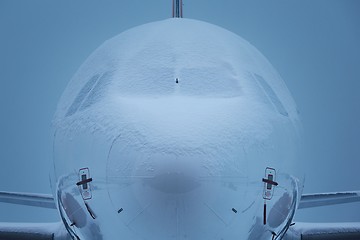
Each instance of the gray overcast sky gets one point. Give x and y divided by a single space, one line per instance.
314 45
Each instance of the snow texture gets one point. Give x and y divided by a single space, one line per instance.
130 83
184 96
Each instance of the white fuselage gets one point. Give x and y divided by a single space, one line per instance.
166 131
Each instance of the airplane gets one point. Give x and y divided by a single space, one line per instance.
177 129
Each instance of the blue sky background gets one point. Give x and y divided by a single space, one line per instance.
314 45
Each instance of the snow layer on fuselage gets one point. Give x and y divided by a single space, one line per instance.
182 96
179 86
209 62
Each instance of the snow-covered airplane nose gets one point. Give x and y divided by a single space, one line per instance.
169 139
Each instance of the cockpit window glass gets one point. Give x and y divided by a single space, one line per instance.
200 82
271 95
146 81
90 93
208 81
82 95
98 91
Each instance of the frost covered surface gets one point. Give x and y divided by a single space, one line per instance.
176 96
129 83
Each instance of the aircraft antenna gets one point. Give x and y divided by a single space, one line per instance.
177 9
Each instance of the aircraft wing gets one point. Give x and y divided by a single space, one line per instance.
38 231
25 231
299 231
325 199
28 199
325 231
